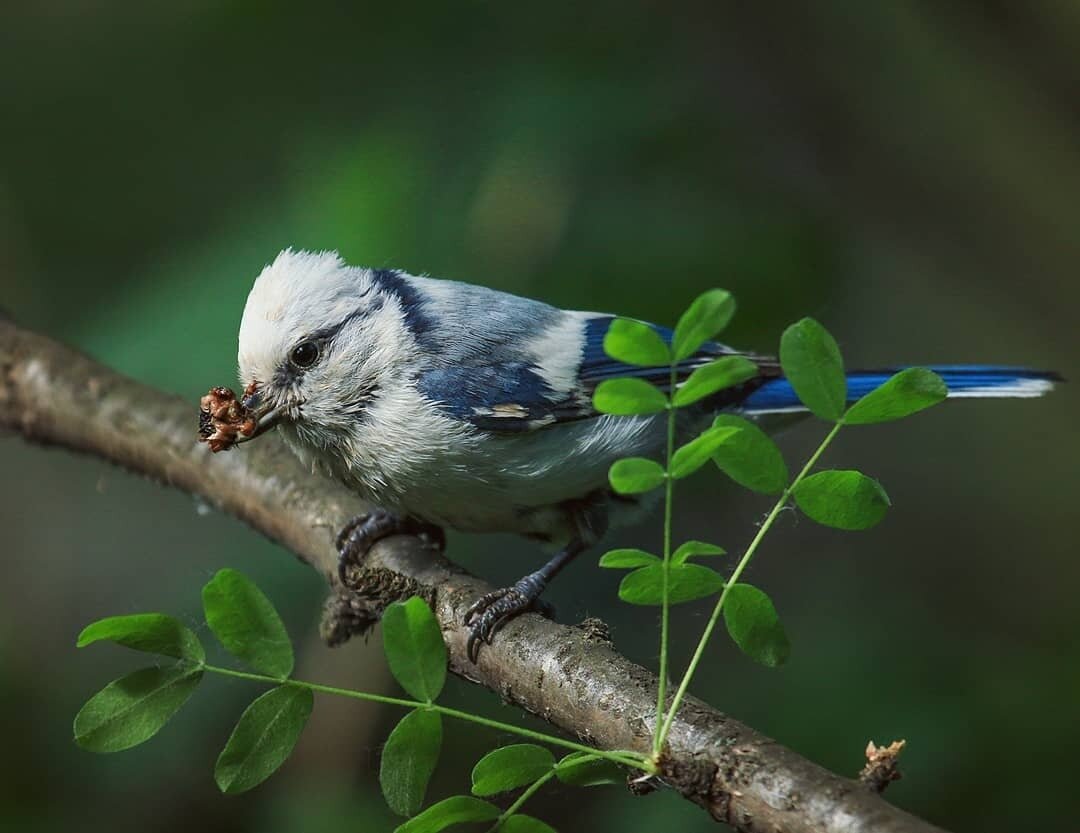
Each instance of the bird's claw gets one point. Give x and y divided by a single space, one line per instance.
493 610
361 533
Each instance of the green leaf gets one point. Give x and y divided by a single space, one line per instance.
842 499
154 633
694 548
520 823
414 647
686 582
752 622
628 397
751 458
714 377
581 769
905 393
811 361
696 453
628 558
635 342
634 475
457 809
409 759
707 316
263 738
510 767
245 622
133 709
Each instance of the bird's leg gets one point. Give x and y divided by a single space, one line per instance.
495 609
362 532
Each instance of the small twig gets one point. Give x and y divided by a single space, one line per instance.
881 765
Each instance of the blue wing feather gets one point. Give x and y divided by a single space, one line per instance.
514 396
507 396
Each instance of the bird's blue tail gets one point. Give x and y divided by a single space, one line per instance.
975 381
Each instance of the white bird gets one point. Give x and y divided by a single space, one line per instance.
456 405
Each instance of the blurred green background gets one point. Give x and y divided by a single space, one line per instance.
908 173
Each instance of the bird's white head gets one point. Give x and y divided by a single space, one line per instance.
317 340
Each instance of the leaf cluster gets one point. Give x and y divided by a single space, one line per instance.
844 499
134 708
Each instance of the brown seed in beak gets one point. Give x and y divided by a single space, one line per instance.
224 421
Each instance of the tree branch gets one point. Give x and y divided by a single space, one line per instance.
568 675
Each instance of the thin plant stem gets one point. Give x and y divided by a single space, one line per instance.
766 525
530 791
665 603
625 758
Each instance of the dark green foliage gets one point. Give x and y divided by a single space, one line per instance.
713 378
751 458
414 648
689 458
245 622
154 633
457 809
906 393
634 475
635 342
812 363
132 709
628 397
628 558
694 549
705 319
686 582
752 622
408 760
263 739
519 823
510 767
581 769
843 499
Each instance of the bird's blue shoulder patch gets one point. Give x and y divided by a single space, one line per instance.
514 395
509 396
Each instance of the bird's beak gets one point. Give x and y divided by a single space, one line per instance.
265 416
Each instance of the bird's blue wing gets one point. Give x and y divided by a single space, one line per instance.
545 383
509 396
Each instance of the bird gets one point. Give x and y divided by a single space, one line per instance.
447 404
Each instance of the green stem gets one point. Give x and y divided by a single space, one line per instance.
665 604
625 758
774 513
630 759
521 799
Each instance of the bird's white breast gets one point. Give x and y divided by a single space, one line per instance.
407 456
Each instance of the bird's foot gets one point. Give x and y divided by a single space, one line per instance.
493 610
362 533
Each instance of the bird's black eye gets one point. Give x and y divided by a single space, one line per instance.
304 354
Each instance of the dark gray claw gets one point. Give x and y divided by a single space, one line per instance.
362 532
493 610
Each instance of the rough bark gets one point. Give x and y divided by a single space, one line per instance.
570 676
